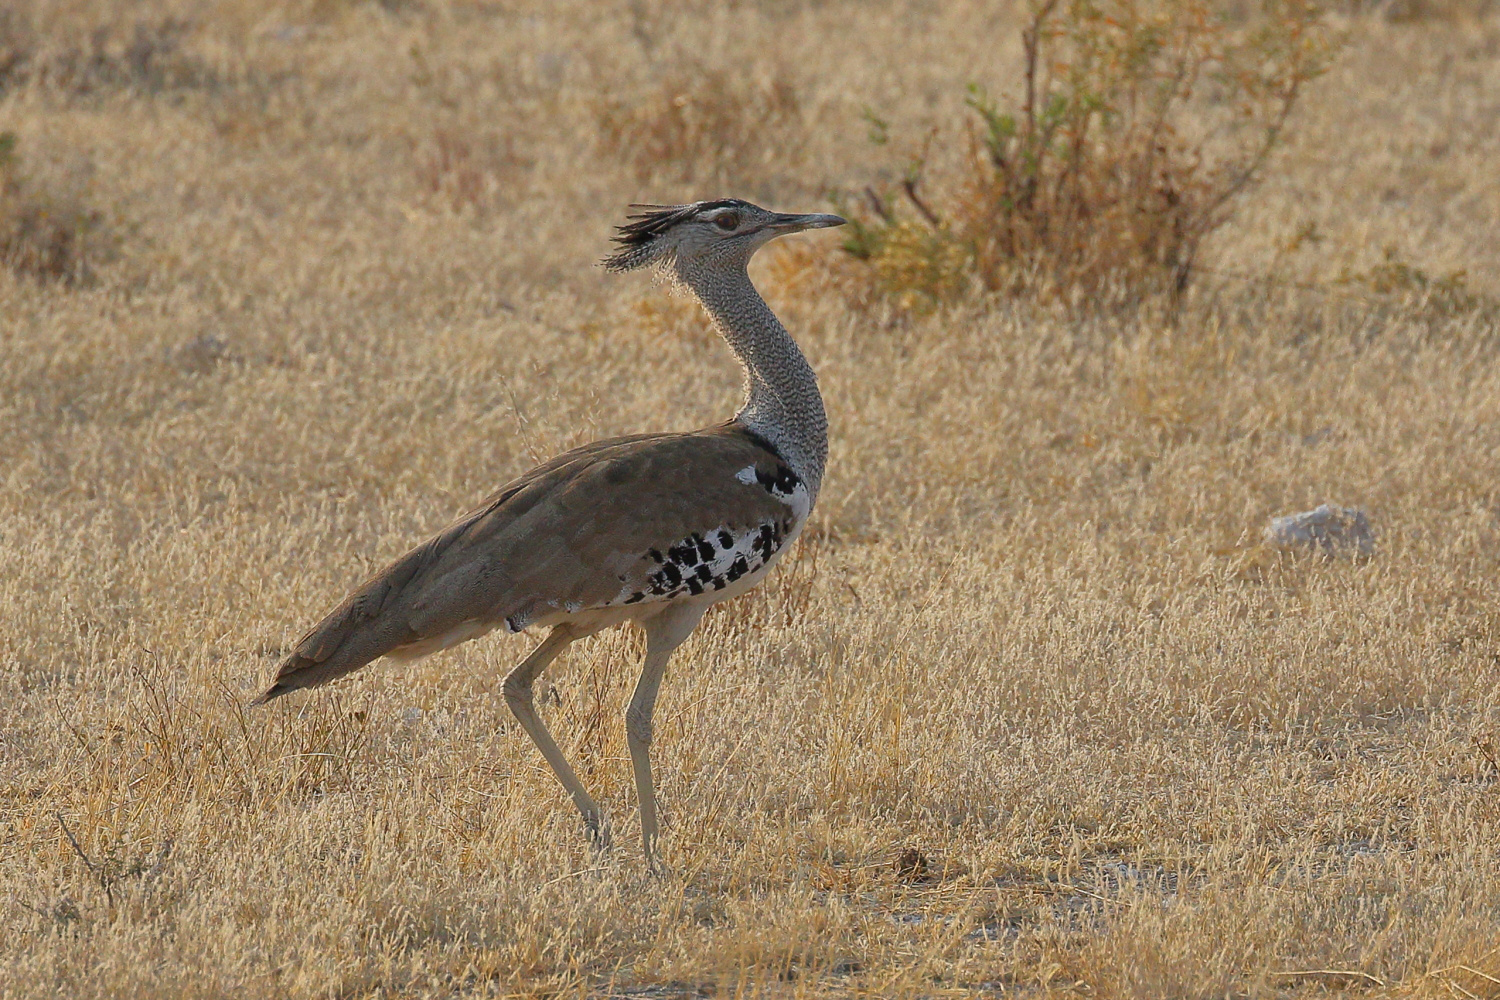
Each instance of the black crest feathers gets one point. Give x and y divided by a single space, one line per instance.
637 238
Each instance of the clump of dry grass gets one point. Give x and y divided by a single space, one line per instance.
1107 174
459 171
1423 11
706 125
46 233
108 55
1396 278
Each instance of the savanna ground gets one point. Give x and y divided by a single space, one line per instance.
1031 711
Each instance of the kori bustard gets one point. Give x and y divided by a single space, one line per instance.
651 529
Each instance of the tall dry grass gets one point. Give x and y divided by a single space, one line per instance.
1031 710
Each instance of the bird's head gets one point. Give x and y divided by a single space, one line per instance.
703 235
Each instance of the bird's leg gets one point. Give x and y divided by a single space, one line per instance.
664 633
518 697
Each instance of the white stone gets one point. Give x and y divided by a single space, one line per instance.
1335 530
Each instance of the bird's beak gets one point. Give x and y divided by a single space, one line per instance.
784 224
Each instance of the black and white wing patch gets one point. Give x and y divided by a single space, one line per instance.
710 561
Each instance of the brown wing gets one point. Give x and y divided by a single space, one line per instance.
595 527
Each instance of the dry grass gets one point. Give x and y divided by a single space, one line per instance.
1031 712
52 235
703 125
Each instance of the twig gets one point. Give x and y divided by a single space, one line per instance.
1445 970
909 185
1315 973
727 761
98 873
581 871
1486 747
74 841
163 854
27 906
523 423
1093 895
717 693
1476 972
1030 41
1457 990
914 177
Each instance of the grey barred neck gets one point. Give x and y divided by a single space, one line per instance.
782 402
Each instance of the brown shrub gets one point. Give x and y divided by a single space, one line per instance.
16 44
703 125
1423 11
472 170
44 233
1102 178
143 56
1395 279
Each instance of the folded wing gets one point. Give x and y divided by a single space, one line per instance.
628 522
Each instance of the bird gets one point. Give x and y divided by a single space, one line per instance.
650 529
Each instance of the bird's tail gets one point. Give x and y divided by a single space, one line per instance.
376 620
353 635
285 681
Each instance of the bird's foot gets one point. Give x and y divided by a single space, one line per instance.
597 831
654 864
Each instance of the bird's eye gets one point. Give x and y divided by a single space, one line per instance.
728 221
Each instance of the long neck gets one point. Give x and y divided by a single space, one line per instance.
782 402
